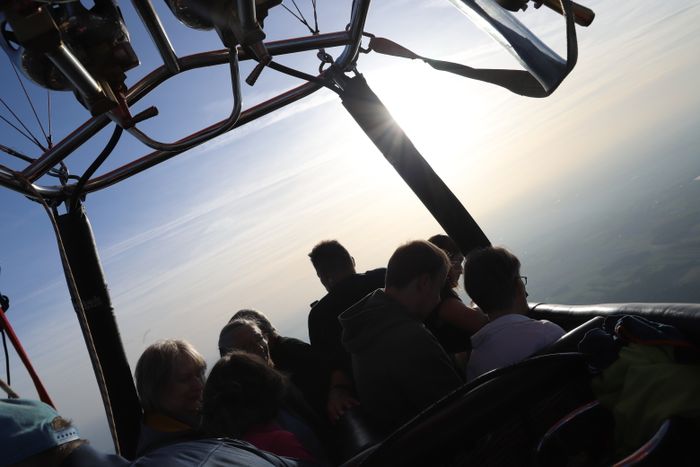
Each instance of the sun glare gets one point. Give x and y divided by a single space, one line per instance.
434 113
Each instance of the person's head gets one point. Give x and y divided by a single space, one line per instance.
492 279
241 391
260 319
170 379
415 276
332 262
455 255
244 335
33 434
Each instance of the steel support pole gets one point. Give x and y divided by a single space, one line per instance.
100 329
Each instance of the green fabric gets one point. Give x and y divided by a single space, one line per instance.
643 388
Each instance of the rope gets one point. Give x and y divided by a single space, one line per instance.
19 120
300 16
29 99
7 356
313 4
61 173
113 140
48 111
5 304
30 138
16 154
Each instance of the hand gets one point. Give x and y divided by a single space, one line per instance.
340 399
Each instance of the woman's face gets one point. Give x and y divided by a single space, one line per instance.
248 338
456 270
183 393
251 339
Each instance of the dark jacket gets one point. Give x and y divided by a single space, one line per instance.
197 453
213 453
159 430
324 328
399 367
305 368
452 338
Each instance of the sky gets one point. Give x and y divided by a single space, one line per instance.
228 225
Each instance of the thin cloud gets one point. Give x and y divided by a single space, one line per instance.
311 102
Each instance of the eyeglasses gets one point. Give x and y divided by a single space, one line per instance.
524 279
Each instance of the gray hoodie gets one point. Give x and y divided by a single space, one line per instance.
398 366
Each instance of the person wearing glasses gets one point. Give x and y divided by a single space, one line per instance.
492 279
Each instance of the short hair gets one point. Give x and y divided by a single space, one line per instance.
413 259
230 327
260 319
241 391
156 366
330 256
446 244
490 276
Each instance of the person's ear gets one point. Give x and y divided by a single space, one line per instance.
521 289
353 261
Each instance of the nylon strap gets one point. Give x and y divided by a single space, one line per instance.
517 81
520 82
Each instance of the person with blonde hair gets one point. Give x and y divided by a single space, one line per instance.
169 380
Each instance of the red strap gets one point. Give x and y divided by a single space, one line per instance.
40 389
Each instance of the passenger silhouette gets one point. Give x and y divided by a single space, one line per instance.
295 414
246 398
336 270
492 279
306 369
398 365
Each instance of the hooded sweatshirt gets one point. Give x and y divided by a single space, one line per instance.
398 366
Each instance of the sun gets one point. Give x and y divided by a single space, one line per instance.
441 114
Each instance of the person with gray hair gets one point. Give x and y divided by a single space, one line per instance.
169 380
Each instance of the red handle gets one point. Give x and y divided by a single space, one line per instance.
583 16
40 389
